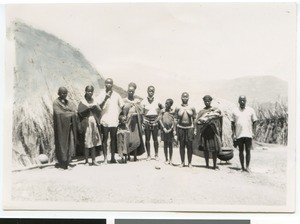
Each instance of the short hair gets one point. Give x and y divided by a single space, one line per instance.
132 84
90 86
242 96
185 93
109 79
207 97
150 87
62 89
170 100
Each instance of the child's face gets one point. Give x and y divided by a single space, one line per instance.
168 104
122 120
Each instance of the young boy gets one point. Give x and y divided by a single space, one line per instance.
122 138
167 124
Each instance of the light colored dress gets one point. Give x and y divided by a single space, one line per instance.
90 123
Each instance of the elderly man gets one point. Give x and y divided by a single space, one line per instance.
243 130
112 105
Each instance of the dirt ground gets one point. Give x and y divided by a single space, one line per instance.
155 182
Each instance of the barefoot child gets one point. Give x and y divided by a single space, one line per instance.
167 124
123 138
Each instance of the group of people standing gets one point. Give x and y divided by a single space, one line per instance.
126 120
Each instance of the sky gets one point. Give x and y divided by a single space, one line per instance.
175 47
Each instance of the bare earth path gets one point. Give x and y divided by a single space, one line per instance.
154 182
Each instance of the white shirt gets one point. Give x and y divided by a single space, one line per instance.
111 109
150 108
243 119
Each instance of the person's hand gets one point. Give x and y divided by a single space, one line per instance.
108 95
165 130
195 131
233 137
176 138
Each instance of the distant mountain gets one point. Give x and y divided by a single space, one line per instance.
257 89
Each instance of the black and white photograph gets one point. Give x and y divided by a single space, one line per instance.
186 107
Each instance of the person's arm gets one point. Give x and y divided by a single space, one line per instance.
107 96
233 130
175 124
254 128
160 121
194 119
254 123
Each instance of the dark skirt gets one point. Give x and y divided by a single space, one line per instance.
210 140
185 134
167 137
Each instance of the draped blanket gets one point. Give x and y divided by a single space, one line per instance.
133 111
208 132
65 130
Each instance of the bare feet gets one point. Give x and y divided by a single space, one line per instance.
95 164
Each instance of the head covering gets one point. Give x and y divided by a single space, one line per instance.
207 97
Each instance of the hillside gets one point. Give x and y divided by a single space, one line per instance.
259 89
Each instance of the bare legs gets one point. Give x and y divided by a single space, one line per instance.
154 133
93 154
170 146
188 145
245 143
214 155
113 142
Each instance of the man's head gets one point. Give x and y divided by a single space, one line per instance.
242 101
62 92
151 91
109 84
